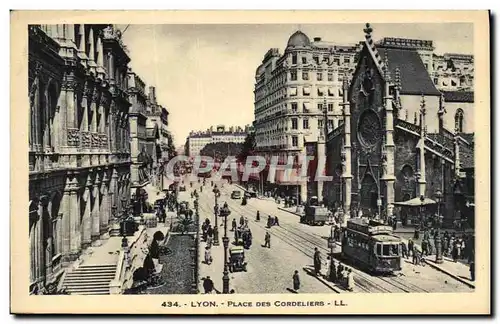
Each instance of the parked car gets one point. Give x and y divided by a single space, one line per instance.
236 194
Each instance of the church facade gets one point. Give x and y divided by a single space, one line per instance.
397 141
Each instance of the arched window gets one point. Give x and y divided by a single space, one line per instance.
459 120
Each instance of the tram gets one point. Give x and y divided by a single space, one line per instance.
371 245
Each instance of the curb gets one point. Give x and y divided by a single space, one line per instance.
325 282
435 266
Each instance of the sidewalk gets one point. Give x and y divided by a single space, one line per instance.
291 210
456 270
215 269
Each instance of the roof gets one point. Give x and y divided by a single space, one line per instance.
386 238
299 39
415 79
466 156
458 96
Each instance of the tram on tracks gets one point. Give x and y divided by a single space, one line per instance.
372 245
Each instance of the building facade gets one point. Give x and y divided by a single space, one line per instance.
294 92
79 149
398 141
449 72
196 141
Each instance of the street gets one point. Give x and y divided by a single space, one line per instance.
292 248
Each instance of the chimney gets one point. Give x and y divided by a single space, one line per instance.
152 95
317 39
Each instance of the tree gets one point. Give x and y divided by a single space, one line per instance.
221 150
248 147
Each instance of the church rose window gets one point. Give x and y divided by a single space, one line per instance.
369 128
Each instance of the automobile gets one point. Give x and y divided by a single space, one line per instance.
182 188
236 194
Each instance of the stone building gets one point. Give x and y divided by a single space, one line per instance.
157 137
449 72
293 89
79 151
196 141
397 141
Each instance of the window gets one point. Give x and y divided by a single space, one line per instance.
330 107
305 124
319 75
321 92
316 59
386 248
320 106
347 60
293 75
304 60
337 61
295 141
295 124
330 76
293 92
320 123
330 92
294 106
306 91
379 249
305 75
426 66
294 59
435 81
459 120
330 123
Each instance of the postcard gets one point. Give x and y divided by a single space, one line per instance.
244 162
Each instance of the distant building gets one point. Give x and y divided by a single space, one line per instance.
196 141
449 72
293 90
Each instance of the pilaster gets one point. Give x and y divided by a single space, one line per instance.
421 146
86 219
346 151
96 214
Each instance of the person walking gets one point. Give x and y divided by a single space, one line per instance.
208 285
257 218
208 255
404 250
340 268
333 271
233 225
410 247
296 280
317 262
276 222
350 280
210 234
267 240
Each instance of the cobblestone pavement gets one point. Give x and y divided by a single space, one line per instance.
411 278
269 270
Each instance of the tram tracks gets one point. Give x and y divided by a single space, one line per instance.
306 242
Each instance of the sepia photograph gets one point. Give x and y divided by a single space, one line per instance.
245 165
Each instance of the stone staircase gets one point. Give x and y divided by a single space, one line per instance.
89 279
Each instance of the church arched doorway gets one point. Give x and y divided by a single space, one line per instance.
369 195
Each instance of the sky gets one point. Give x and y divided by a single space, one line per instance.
204 74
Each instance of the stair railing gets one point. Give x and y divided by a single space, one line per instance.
116 285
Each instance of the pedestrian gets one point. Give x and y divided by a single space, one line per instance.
404 251
416 256
333 271
208 255
317 261
472 271
267 240
210 234
340 268
233 225
410 246
296 280
416 234
350 280
242 221
269 221
276 222
456 251
208 285
257 218
425 250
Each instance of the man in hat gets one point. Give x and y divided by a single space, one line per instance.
317 261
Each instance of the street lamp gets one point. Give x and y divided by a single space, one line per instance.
438 221
224 212
331 245
216 192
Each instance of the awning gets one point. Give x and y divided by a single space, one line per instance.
416 202
321 92
293 91
330 92
306 91
307 106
